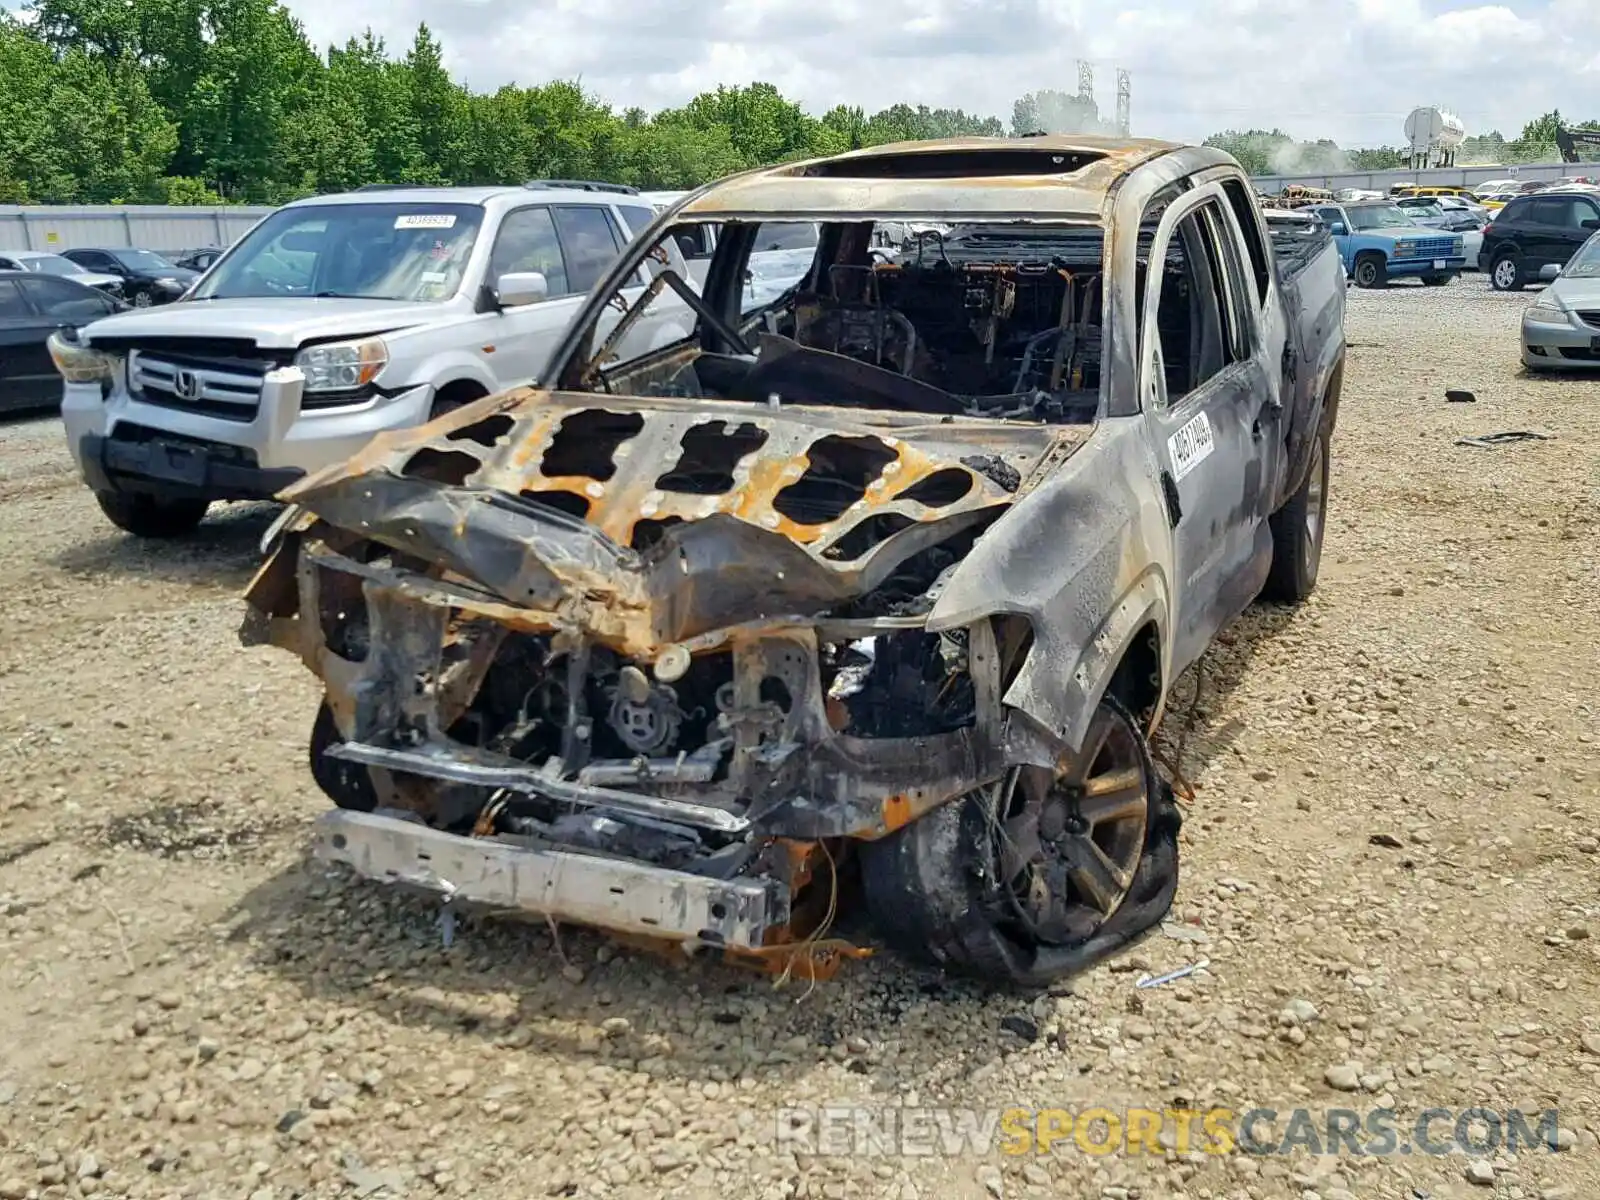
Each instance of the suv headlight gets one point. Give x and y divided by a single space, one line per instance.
1405 246
342 366
79 363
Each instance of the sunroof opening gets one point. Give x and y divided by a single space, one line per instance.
956 164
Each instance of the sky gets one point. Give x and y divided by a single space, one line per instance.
1349 70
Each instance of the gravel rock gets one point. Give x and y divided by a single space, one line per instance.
1345 1077
318 1016
1479 1172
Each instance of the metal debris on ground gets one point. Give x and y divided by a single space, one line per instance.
1148 981
1491 440
1459 396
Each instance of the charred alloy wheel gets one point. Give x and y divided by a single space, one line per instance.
1040 875
1068 847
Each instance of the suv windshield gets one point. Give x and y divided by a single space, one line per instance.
378 251
51 264
141 260
782 235
1378 216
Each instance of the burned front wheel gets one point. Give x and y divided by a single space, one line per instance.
1039 875
347 784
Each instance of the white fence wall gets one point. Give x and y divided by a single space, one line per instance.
155 227
1380 181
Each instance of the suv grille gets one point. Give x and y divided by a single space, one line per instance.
227 388
1590 317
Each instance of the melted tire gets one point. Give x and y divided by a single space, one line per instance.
929 889
347 784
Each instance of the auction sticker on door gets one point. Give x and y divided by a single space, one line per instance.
1191 445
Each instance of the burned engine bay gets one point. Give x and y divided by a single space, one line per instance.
702 619
987 321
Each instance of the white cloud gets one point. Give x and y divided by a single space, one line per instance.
1345 69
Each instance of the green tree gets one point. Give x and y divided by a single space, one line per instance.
1055 112
1379 158
1254 148
438 108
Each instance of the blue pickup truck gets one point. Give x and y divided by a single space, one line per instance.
1379 242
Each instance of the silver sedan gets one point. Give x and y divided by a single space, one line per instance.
1561 328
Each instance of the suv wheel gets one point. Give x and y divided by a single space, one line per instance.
142 299
151 516
1506 274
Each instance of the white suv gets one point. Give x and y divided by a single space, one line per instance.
333 319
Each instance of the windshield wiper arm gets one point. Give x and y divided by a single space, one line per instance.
343 296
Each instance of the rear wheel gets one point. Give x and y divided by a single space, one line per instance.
1371 271
1506 274
151 516
1040 874
1297 530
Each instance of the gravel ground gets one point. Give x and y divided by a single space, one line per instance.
1390 864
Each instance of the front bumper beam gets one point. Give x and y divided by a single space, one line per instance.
613 894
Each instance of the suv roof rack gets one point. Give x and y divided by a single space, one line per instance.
583 185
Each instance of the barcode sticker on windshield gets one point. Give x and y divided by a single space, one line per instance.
433 277
1191 446
425 221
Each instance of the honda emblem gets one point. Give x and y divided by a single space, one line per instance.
186 385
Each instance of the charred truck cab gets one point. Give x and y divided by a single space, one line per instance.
873 588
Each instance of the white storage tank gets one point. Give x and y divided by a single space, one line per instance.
1432 131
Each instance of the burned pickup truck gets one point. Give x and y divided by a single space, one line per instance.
867 592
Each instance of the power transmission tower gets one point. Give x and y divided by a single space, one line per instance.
1124 102
1086 81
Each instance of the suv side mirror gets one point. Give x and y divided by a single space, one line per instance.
1591 223
1549 273
1338 229
516 288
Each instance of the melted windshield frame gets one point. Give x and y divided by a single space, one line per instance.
583 362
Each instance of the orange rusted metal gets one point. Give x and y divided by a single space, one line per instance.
897 812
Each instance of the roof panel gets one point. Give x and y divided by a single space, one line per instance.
884 180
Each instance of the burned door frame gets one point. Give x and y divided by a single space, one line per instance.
1215 446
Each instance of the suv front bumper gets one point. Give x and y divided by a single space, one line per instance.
123 443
